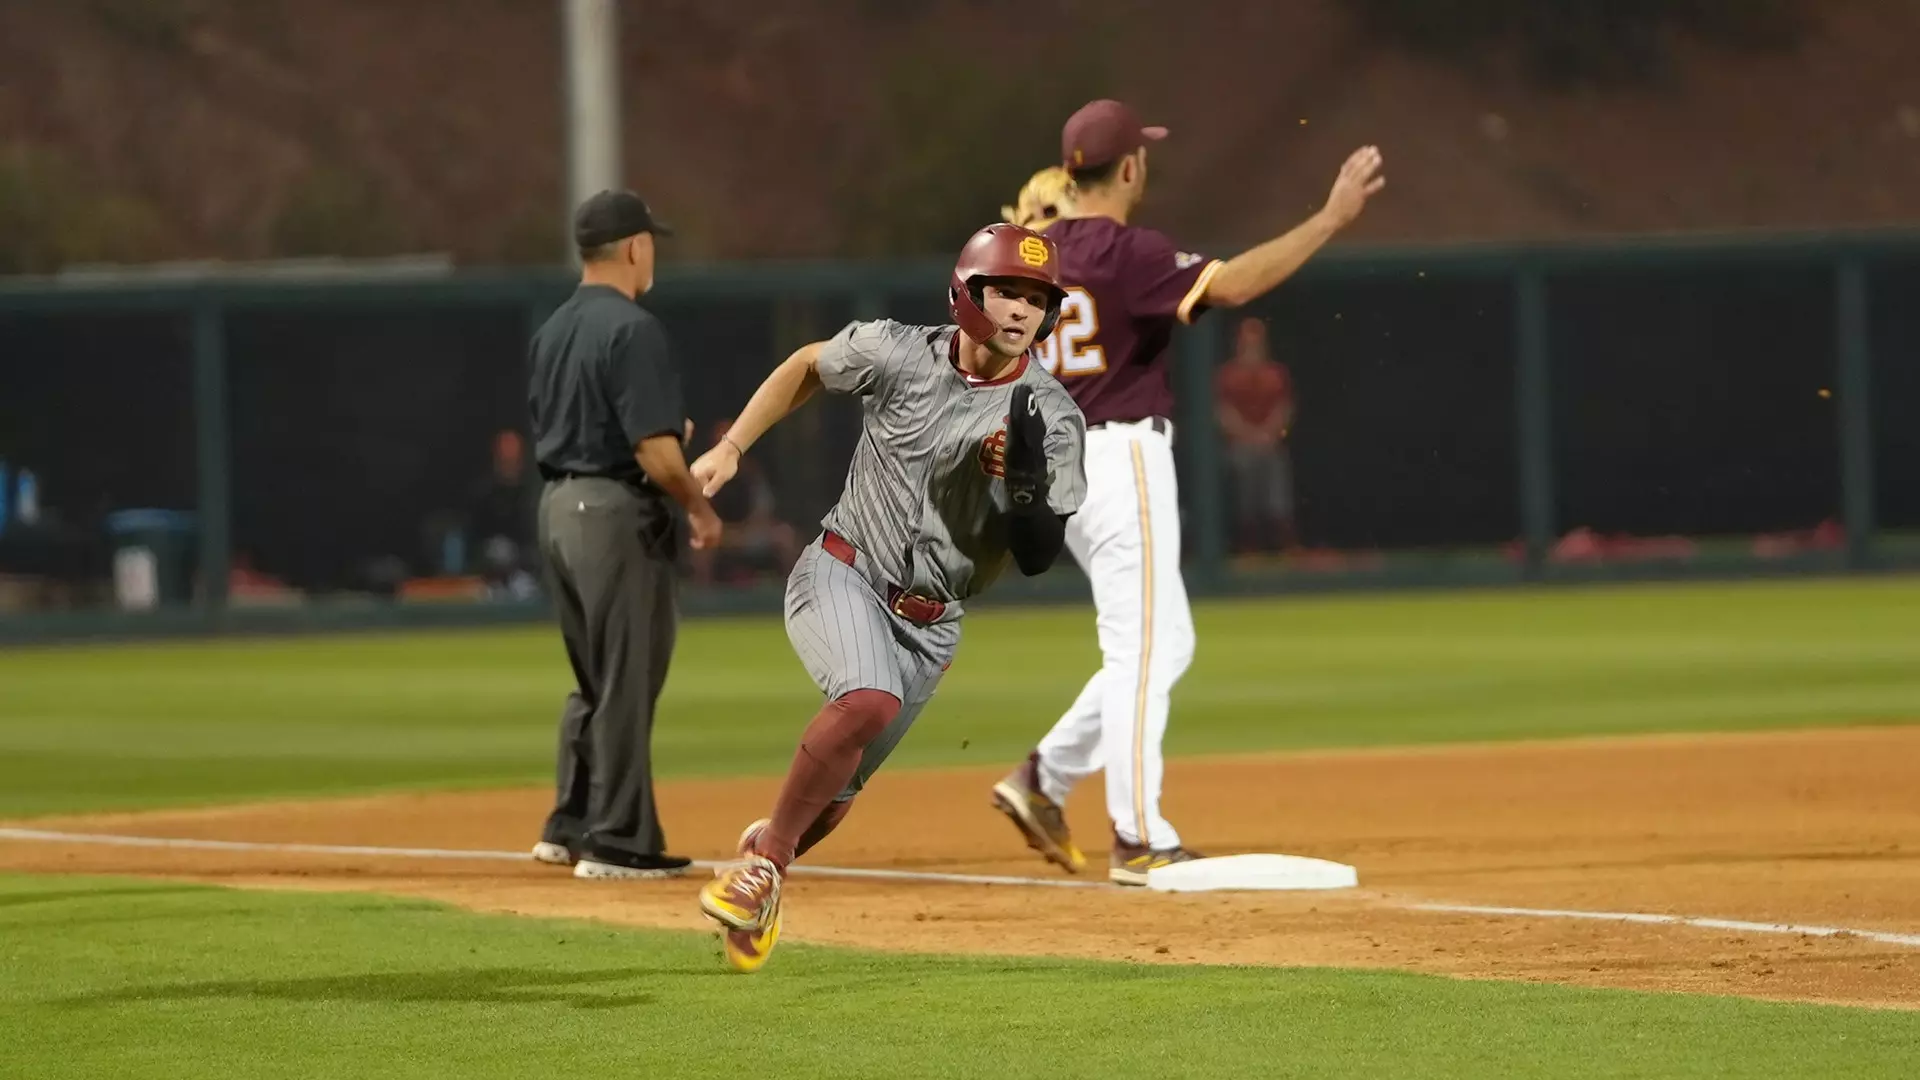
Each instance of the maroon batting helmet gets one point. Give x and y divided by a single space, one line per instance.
1003 251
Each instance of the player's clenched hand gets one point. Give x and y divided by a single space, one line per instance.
714 468
1026 461
1359 179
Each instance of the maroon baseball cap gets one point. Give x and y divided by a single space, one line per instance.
1101 132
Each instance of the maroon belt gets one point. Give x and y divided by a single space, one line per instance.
909 606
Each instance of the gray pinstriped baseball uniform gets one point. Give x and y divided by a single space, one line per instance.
924 509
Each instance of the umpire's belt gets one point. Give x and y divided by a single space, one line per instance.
910 606
633 480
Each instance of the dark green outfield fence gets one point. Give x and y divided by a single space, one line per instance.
1702 405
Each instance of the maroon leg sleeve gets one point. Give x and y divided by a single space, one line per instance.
828 756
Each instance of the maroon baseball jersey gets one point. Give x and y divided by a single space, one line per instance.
1126 286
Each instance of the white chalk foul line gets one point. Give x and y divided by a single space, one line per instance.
51 836
1881 936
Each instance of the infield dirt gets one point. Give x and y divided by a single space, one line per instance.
1805 828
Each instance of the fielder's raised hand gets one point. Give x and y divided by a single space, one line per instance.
1026 460
1359 180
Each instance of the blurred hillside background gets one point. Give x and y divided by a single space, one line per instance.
1637 300
241 129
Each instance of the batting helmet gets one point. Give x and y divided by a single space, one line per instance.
1003 251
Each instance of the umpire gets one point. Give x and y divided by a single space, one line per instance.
608 421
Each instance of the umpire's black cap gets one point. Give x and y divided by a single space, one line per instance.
614 215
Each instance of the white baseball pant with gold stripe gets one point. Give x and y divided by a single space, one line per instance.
1126 538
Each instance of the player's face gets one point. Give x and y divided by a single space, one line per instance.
1017 308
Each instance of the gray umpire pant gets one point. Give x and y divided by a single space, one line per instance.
609 553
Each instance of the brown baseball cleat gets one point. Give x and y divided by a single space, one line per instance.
1040 820
1130 863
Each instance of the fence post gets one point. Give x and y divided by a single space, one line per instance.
1533 403
212 449
806 484
1198 353
1853 350
535 311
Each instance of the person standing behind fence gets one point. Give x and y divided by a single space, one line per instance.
1253 401
608 422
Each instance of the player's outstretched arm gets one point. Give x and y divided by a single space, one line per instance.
662 459
1252 274
1036 540
1035 534
787 388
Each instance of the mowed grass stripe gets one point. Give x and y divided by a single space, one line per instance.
111 978
177 722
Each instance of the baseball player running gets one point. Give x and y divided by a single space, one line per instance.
969 455
1126 288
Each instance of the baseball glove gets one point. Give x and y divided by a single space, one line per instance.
1047 195
1026 461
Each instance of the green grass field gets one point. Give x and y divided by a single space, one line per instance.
110 979
114 978
124 726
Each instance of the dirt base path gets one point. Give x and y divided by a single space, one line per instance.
1819 828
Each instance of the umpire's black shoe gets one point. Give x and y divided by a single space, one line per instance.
605 865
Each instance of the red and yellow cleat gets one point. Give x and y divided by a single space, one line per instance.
744 899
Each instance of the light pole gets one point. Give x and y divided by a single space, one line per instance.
590 61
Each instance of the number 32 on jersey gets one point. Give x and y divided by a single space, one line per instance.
1071 350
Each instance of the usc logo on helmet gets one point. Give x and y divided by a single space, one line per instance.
1033 251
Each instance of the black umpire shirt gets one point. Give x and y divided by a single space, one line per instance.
602 381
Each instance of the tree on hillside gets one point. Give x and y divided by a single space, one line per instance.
966 136
54 215
1567 43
